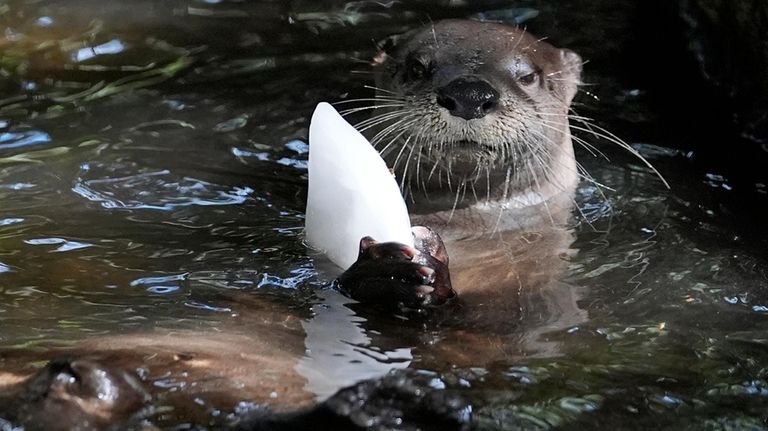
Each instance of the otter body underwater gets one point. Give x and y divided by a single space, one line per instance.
96 395
473 118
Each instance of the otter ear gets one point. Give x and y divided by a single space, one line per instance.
389 46
571 68
386 47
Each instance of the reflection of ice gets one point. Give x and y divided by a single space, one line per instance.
4 268
66 245
338 352
158 190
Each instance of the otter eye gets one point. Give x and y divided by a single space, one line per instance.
417 69
529 78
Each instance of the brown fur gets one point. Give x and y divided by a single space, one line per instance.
498 189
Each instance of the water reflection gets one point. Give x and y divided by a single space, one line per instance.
114 46
17 186
154 190
14 140
339 352
161 284
63 244
10 221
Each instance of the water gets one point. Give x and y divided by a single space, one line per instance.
153 181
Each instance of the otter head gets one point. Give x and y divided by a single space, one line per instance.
77 394
468 101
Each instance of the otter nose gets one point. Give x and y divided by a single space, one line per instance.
468 98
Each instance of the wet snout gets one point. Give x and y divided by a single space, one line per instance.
468 97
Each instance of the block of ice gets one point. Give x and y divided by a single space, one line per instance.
352 193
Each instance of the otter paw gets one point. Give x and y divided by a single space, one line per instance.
395 275
402 399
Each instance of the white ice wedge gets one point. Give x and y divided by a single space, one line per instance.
352 193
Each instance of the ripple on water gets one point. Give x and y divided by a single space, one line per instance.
120 187
300 276
17 186
294 163
63 244
207 307
21 139
298 146
11 220
163 284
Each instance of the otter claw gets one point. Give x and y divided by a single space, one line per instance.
409 252
428 274
424 290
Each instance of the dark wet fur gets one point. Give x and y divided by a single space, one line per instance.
391 276
49 400
401 400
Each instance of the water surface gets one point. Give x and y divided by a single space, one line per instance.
153 179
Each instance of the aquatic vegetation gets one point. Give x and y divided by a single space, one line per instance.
61 70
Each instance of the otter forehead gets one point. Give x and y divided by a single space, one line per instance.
457 46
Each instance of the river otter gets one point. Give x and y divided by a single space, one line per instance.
69 394
189 374
95 395
473 118
479 137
